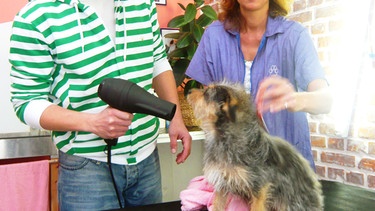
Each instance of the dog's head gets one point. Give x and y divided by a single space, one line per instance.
220 103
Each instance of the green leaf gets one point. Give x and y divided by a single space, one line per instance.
182 6
204 21
192 84
197 32
179 70
177 53
173 35
190 13
191 50
209 12
198 3
185 28
176 22
184 40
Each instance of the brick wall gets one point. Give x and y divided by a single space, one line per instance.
346 153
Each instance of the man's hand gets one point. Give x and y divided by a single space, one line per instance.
178 131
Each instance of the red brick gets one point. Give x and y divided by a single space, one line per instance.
339 159
327 129
367 132
314 3
336 143
313 127
371 181
356 146
319 28
371 148
334 173
301 17
299 5
367 164
328 12
318 141
321 171
355 178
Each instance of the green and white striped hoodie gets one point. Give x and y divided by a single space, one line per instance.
60 51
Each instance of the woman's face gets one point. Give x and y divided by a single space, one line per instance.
253 5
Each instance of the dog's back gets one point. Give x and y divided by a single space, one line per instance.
297 186
242 159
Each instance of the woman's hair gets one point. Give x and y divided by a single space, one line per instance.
230 12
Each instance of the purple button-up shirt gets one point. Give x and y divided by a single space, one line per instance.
286 50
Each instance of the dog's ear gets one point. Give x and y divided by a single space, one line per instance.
230 108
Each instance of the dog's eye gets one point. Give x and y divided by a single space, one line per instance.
221 95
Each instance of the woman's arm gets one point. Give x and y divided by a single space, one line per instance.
276 94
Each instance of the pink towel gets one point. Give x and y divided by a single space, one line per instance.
200 194
24 186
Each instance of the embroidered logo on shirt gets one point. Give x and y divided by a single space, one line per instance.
273 70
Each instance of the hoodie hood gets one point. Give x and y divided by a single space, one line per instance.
78 8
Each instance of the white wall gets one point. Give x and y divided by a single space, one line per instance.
176 178
9 123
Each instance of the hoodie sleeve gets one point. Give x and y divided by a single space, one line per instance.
161 63
31 68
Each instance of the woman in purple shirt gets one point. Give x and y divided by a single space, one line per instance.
275 58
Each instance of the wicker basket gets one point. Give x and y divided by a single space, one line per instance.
187 111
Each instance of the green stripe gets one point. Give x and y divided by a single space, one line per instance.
83 63
137 19
38 6
36 64
29 52
63 142
52 15
137 32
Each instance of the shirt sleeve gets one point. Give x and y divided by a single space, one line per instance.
308 67
201 64
161 66
161 63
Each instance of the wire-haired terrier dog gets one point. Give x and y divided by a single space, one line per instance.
242 159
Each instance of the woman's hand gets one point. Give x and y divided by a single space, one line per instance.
275 94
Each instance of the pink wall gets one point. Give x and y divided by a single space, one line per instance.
169 11
9 8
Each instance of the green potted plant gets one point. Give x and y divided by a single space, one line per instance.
191 26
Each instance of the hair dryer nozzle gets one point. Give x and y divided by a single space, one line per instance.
129 97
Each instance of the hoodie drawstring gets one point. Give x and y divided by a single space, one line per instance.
75 4
124 16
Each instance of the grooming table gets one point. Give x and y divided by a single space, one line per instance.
337 197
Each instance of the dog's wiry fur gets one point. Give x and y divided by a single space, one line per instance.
242 159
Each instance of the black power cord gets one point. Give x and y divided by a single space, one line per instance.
110 143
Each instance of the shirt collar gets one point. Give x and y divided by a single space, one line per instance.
274 26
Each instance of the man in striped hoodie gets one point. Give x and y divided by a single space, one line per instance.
60 52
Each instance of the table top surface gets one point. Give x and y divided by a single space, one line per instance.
337 197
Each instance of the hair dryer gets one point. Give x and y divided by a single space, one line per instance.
129 97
